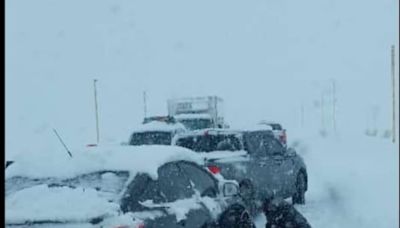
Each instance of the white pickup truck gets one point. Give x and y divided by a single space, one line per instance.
198 112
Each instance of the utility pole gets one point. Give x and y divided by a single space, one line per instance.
145 104
322 112
302 115
375 112
334 104
96 110
393 96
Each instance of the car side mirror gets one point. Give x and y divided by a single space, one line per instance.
230 189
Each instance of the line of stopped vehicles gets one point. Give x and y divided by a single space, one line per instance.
185 169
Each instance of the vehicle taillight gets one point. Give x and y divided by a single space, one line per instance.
283 137
214 169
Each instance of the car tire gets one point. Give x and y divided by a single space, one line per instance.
301 186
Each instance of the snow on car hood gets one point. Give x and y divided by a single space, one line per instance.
64 204
145 159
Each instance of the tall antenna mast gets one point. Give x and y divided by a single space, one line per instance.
145 104
393 97
96 110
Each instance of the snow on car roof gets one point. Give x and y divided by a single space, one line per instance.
257 127
160 126
145 159
221 131
210 131
193 116
268 122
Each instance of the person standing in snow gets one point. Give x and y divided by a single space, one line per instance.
281 214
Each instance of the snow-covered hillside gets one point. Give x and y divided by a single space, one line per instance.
353 181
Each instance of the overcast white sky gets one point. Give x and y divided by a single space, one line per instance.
264 57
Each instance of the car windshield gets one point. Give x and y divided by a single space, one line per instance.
262 142
18 183
108 183
151 138
275 126
208 143
196 124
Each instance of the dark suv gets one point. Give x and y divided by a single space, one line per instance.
255 158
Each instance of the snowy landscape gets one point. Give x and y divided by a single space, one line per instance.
320 68
351 185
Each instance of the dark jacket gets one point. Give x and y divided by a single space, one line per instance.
281 214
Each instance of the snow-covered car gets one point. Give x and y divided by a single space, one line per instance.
155 132
253 157
278 130
125 187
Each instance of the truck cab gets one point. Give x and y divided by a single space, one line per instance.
198 112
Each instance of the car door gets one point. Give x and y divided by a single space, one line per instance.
282 166
260 166
172 193
207 192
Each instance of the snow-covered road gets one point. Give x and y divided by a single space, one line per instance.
353 182
353 179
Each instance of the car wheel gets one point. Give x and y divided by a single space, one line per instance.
299 195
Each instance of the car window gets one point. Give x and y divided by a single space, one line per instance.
140 189
208 143
227 142
273 147
173 183
201 180
195 124
151 138
276 126
255 143
186 142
